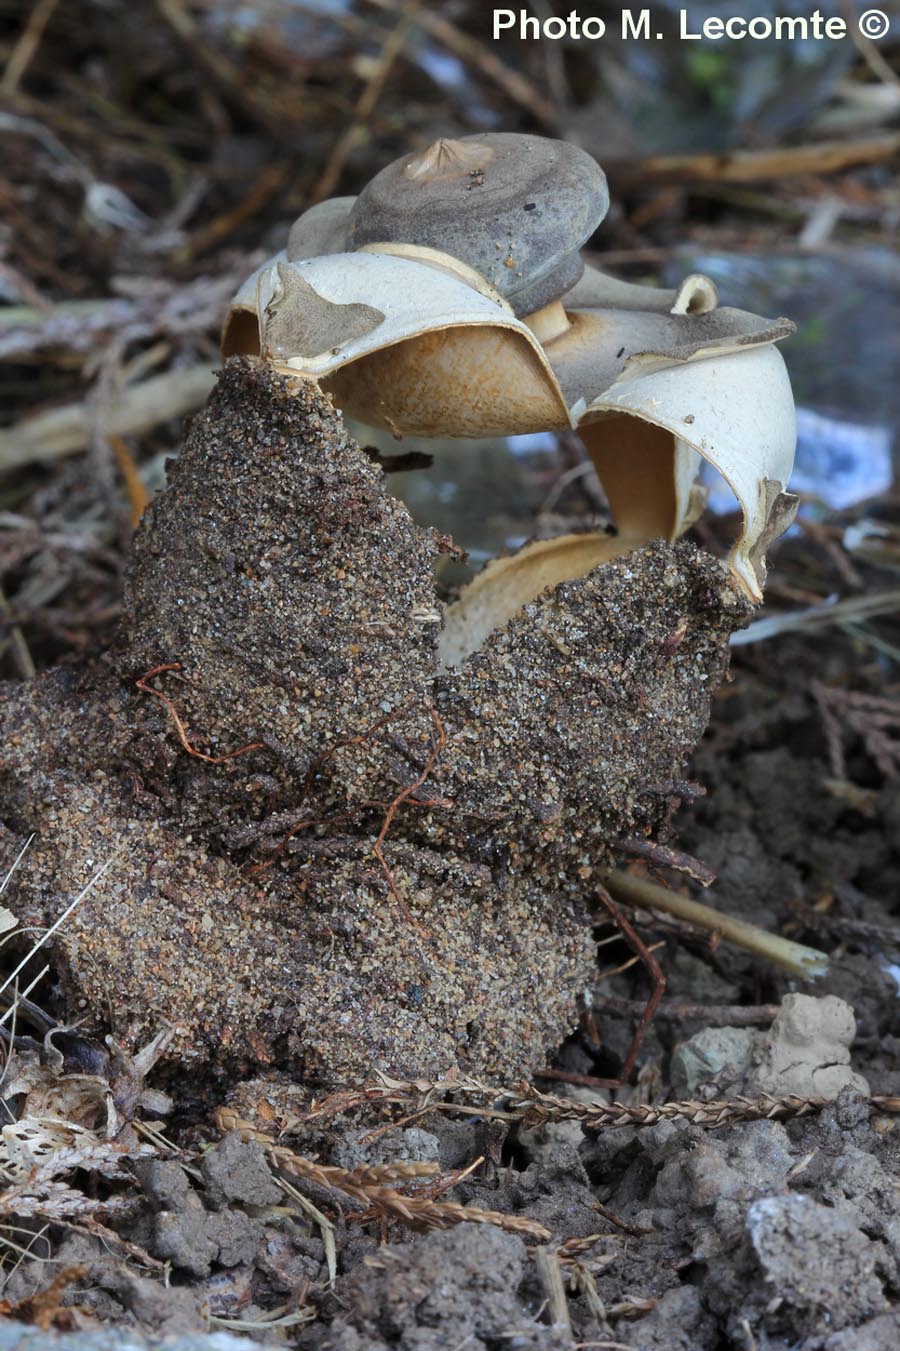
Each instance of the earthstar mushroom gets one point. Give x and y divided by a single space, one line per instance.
450 298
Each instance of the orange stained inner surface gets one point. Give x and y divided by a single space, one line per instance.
635 462
452 382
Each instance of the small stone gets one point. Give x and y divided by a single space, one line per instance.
752 1158
235 1235
412 1145
711 1053
807 1050
165 1183
562 716
236 1170
816 1260
180 1237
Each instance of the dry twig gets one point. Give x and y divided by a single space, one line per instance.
366 103
542 1108
470 1097
24 50
138 408
547 1261
711 1015
469 50
640 891
756 166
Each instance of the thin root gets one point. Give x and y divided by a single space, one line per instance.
378 850
638 945
179 725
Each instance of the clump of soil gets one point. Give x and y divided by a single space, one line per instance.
401 1296
805 1052
322 851
667 1236
671 1235
312 966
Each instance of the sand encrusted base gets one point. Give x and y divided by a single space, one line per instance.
291 602
310 965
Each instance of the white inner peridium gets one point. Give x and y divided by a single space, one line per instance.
635 463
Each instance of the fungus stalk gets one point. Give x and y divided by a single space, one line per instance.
549 322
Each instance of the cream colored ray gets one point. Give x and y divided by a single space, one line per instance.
505 585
